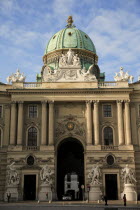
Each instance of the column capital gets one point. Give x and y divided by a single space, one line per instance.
119 101
51 102
13 102
44 102
20 102
88 101
95 101
127 101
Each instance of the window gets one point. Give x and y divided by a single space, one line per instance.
139 110
107 110
108 136
0 138
32 136
32 111
0 111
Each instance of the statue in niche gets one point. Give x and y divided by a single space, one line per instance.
46 175
95 175
128 175
13 176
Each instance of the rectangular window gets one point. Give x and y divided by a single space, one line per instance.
107 110
0 111
68 186
32 111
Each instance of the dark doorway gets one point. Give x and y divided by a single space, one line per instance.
29 187
111 186
70 160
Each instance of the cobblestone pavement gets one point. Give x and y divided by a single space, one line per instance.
64 207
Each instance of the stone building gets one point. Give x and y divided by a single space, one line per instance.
68 121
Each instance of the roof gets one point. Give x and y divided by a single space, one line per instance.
70 37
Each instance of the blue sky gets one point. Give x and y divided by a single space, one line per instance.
27 25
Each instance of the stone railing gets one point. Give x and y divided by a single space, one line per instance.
109 147
107 84
32 84
31 148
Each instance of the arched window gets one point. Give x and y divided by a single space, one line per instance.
108 136
32 136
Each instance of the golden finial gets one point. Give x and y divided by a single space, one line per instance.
69 21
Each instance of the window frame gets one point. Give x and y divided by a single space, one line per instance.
106 111
1 115
139 110
32 112
1 137
113 140
27 135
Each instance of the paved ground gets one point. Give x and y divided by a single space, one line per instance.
63 206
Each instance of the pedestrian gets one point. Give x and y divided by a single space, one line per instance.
8 196
105 199
124 199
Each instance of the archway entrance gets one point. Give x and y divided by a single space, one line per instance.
70 168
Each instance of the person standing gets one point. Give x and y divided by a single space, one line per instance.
8 196
124 199
105 199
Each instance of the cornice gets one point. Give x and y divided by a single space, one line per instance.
69 91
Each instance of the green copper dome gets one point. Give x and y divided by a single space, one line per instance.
70 37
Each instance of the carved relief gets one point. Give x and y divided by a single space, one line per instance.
70 126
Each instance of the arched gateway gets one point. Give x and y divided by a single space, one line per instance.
70 168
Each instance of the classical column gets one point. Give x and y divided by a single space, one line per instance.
96 122
44 123
89 122
120 123
13 124
51 122
20 123
127 122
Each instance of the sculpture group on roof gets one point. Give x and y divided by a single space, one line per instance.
123 76
17 77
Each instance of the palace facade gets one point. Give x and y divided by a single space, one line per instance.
68 121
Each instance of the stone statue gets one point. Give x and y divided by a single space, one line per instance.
17 77
95 175
13 176
70 55
46 175
63 60
122 76
128 175
76 60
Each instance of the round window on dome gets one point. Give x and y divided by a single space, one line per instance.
30 160
86 36
69 33
54 37
110 160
